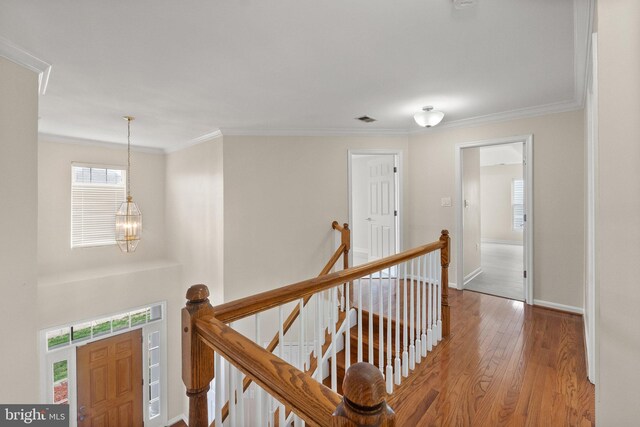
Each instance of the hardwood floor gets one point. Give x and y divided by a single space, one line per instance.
505 363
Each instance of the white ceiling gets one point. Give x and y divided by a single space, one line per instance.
189 68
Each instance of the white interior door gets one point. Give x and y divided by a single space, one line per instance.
381 210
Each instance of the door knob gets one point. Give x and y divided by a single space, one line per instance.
368 219
81 414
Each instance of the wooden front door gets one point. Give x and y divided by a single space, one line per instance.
109 374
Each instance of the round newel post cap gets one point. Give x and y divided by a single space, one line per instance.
445 232
197 293
364 386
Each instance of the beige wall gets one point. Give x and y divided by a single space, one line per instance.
495 183
55 256
280 196
618 230
18 217
558 177
472 209
84 283
195 212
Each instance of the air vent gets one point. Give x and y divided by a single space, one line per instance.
366 119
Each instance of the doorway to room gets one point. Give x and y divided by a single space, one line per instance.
494 221
374 195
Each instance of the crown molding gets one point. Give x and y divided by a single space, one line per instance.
61 139
195 141
313 132
22 57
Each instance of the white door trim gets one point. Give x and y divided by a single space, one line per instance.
527 154
399 193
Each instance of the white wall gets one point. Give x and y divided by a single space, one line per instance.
495 189
472 209
280 196
618 229
18 218
195 212
55 256
83 283
558 177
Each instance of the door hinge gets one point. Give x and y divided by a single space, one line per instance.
395 213
395 169
525 274
525 217
142 382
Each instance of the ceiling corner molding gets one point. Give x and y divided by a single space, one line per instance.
523 113
22 57
195 141
62 139
313 132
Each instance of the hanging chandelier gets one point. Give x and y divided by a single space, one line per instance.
428 117
128 217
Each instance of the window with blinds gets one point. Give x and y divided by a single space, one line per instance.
517 204
96 195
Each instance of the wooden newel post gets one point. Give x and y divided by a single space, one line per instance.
364 402
444 262
197 357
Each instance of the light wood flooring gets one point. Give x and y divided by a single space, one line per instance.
502 267
505 363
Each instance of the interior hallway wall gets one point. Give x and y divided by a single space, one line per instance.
495 188
18 252
617 228
472 219
281 194
558 176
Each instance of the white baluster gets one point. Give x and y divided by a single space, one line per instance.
360 306
397 365
418 305
370 321
405 321
240 397
412 322
434 321
334 360
302 346
259 398
219 385
389 373
232 396
429 303
424 305
317 340
380 323
439 285
347 334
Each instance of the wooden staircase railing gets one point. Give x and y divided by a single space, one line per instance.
210 341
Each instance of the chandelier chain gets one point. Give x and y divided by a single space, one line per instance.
128 158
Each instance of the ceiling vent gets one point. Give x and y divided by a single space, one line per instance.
464 4
366 119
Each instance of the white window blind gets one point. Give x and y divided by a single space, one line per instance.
96 195
517 204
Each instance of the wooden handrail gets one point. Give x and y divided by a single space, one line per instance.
241 308
312 401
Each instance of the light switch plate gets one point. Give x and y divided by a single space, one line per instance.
445 202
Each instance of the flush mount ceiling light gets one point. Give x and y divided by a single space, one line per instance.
128 217
428 117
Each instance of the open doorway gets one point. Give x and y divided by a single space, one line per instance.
374 195
494 221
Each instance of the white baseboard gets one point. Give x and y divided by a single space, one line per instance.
453 285
181 417
561 307
503 242
475 273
